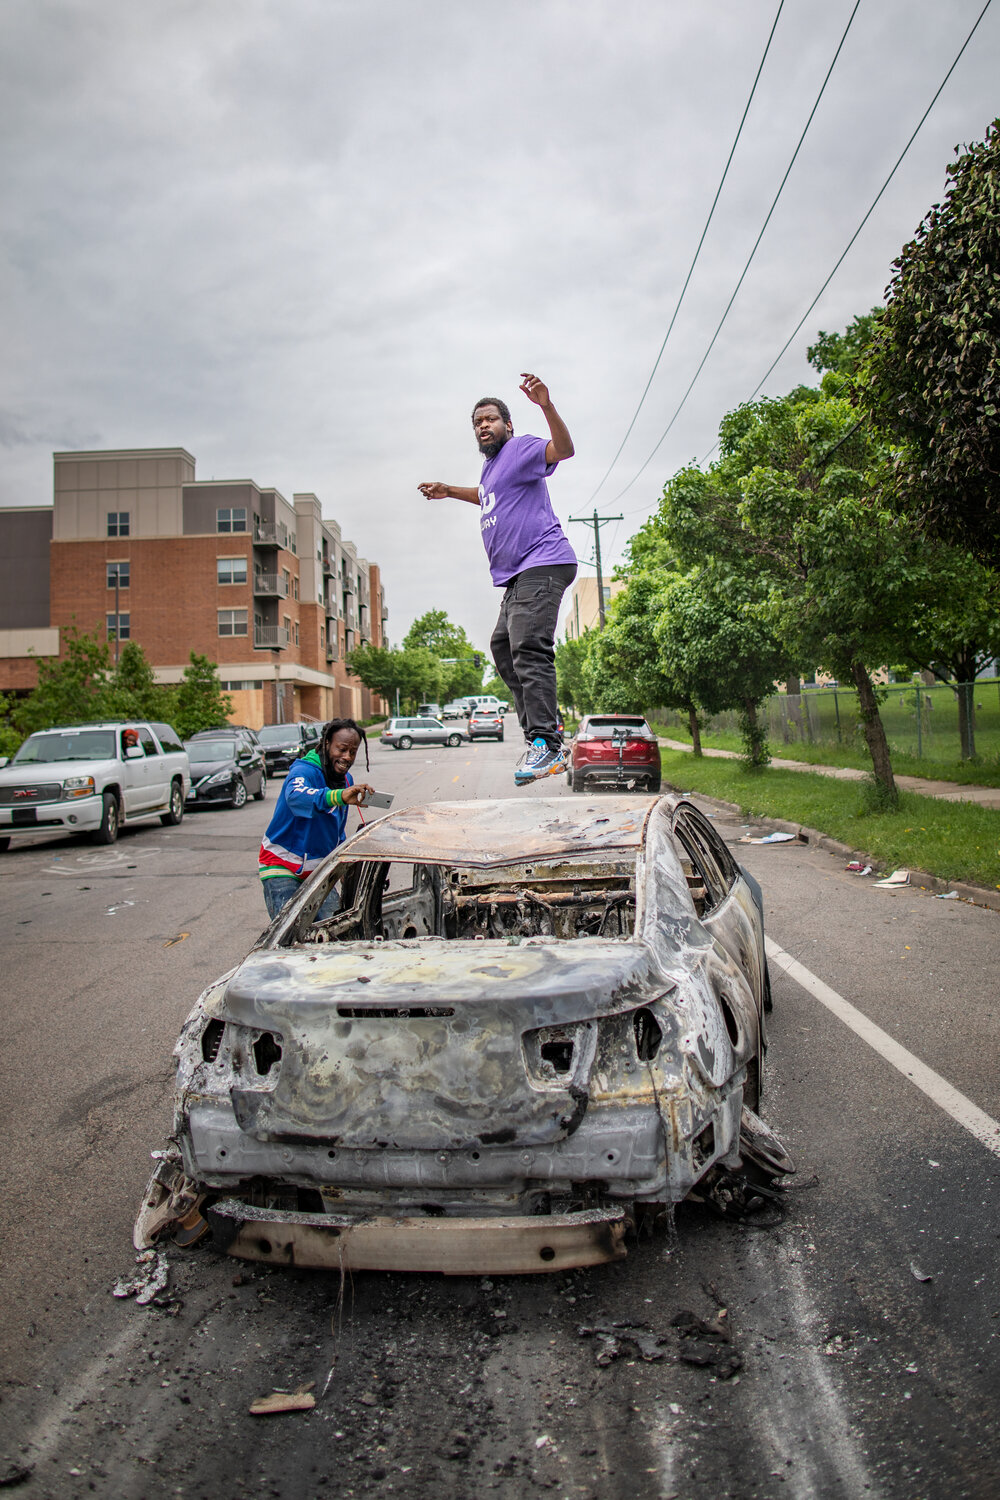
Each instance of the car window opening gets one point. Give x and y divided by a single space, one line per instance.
399 901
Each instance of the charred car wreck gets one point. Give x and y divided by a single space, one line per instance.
529 1022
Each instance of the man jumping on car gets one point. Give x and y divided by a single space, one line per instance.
530 558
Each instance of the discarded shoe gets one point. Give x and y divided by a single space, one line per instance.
538 761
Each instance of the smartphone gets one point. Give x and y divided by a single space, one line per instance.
378 799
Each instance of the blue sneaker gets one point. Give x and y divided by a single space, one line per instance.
538 761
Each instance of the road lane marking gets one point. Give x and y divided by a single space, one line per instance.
454 779
962 1110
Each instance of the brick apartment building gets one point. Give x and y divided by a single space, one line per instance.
135 547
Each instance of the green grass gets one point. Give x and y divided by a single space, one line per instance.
954 840
974 773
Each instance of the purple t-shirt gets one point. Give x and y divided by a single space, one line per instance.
520 528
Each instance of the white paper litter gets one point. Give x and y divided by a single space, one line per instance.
897 878
770 838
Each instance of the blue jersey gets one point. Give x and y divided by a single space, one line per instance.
305 827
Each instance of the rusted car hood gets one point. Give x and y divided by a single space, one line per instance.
358 1070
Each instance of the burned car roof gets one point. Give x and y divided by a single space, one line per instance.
488 833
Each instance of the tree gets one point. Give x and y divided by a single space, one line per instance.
461 665
571 656
71 688
10 738
133 690
844 352
845 579
200 702
931 382
959 637
415 673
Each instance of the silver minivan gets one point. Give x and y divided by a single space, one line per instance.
404 734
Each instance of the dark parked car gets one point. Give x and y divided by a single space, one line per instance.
528 1025
614 750
224 768
485 724
283 743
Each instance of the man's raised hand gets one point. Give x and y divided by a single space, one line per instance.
534 389
434 491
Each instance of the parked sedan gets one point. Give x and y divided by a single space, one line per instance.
225 770
614 750
528 1025
485 724
403 734
284 743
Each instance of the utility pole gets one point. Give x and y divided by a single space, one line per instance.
597 522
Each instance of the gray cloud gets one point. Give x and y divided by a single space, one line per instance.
299 239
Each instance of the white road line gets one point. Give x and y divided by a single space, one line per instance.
938 1089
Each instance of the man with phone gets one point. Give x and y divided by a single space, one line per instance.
310 817
530 558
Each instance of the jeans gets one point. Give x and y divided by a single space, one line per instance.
279 890
523 647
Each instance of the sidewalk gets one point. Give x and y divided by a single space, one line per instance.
947 791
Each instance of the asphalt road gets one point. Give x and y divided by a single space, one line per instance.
857 1378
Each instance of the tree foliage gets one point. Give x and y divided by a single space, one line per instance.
932 379
415 672
461 664
844 352
72 688
199 702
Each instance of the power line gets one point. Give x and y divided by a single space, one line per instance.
750 258
597 522
694 262
874 203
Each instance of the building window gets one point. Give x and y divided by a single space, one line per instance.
322 637
231 518
295 588
286 579
251 684
118 575
232 622
231 569
296 632
118 523
118 628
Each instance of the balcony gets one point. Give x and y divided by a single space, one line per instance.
332 651
265 534
329 566
270 637
270 586
348 586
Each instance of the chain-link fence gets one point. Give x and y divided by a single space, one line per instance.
946 722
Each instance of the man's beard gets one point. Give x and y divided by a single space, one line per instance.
490 450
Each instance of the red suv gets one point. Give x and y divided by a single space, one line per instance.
614 750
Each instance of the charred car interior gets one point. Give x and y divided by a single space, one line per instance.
528 1024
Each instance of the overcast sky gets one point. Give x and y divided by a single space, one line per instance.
300 237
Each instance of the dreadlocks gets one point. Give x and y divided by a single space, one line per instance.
329 730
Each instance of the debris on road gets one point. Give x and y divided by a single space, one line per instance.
300 1399
918 1274
17 1474
947 896
897 878
617 1339
149 1283
770 838
857 868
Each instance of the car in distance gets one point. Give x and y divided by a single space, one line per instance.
619 751
429 710
456 709
284 743
226 770
529 1025
403 734
485 724
93 778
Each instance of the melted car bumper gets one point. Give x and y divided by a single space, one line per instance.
452 1246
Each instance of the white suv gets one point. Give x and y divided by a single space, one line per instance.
91 778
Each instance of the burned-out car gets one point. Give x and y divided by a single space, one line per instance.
528 1023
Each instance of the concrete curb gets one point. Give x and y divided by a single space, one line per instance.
977 895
